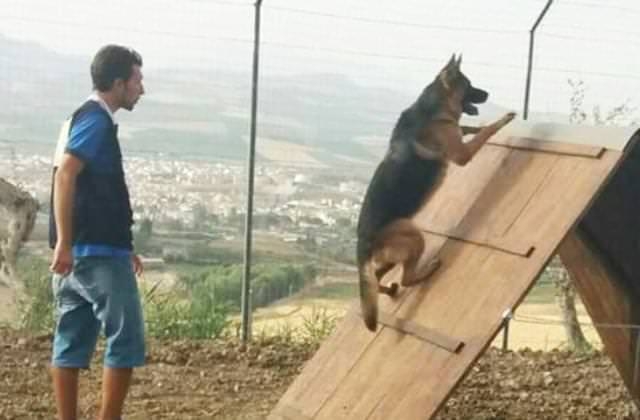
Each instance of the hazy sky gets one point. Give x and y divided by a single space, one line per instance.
399 44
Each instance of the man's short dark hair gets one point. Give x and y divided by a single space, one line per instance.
113 62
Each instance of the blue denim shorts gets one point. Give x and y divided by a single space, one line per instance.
99 292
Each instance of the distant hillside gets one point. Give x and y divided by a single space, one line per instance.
198 114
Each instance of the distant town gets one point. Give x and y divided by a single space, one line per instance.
293 204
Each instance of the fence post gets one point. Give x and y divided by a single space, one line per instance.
248 226
527 89
506 318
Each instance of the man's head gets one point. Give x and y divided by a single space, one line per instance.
116 72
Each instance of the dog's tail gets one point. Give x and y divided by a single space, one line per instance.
368 295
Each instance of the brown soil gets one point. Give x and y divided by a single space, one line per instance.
220 380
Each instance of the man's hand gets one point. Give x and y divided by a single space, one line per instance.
62 260
137 264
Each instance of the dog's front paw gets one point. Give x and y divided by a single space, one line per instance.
508 117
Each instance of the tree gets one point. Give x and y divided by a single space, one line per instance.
565 291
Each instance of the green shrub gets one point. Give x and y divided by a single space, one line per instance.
35 307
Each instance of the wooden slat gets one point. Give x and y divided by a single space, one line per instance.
568 149
569 189
521 250
324 372
495 209
425 334
509 192
383 373
610 137
461 187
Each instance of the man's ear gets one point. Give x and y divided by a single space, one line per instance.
118 84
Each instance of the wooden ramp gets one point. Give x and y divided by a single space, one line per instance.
495 224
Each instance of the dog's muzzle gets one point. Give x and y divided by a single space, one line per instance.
473 96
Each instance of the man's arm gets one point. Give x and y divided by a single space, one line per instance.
64 189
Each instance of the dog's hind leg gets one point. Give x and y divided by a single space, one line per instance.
383 270
414 277
377 272
402 243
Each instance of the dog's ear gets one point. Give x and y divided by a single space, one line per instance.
449 72
452 62
459 62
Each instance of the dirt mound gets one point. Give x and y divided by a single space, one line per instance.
221 380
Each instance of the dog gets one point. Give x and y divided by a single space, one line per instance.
425 139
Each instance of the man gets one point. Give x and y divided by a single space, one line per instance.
94 280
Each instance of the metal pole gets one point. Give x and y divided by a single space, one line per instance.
506 318
505 335
248 226
636 366
525 114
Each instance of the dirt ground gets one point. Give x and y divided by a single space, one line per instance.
220 380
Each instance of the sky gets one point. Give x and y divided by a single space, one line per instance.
399 44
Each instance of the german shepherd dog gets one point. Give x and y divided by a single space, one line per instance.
426 137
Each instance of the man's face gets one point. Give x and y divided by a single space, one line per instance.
132 89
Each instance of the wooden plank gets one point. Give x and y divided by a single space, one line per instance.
530 144
501 202
570 189
610 137
425 334
521 250
324 372
608 301
460 189
505 198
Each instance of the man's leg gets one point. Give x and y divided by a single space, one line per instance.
117 304
65 388
115 385
73 343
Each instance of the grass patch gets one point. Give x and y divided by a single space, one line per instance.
336 291
542 292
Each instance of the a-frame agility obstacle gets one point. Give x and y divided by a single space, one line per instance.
535 191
